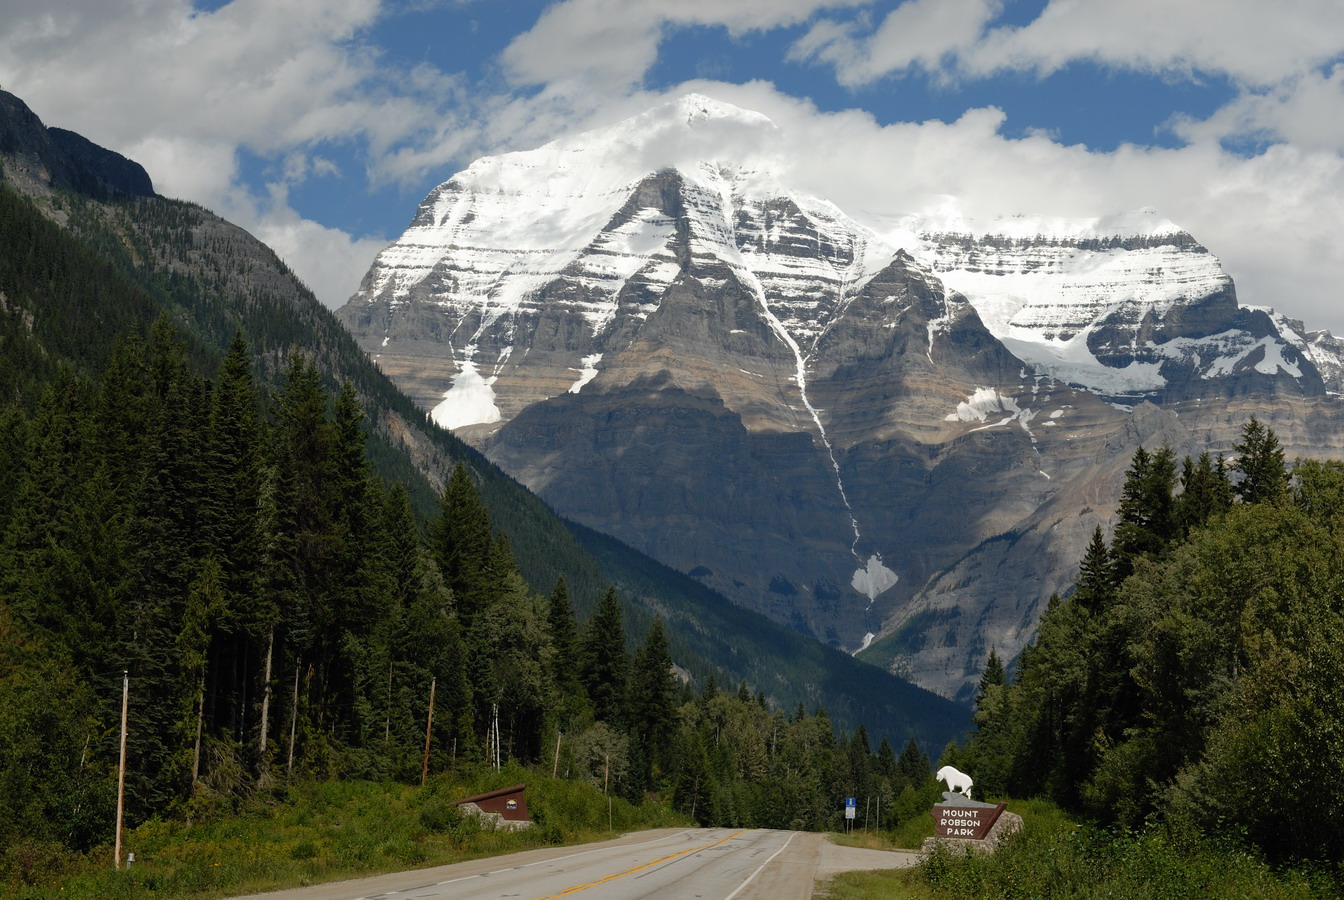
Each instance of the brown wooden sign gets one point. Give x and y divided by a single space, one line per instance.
509 802
971 821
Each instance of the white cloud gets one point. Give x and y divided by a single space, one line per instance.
1306 111
328 260
1272 218
919 33
182 92
1250 41
610 44
299 84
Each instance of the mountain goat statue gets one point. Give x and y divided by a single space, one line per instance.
956 780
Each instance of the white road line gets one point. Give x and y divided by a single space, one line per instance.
741 887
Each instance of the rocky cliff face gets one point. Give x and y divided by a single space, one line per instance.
861 432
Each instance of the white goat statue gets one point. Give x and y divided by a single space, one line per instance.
956 780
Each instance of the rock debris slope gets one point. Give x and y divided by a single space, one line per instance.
895 434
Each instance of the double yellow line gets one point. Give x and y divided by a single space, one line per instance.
648 865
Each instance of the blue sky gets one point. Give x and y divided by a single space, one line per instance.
320 124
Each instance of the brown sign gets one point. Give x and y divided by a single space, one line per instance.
973 822
509 802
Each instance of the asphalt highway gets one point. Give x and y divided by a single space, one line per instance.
677 864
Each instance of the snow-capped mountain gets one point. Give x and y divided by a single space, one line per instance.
818 415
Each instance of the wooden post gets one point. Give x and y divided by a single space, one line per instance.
555 766
424 771
387 726
121 769
293 722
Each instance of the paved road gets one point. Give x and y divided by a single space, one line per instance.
677 864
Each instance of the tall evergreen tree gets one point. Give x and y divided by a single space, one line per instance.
1147 511
1206 491
606 664
1096 585
651 710
992 676
1264 474
463 544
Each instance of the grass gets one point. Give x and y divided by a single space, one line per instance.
330 831
1055 858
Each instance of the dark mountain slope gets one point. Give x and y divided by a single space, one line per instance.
129 254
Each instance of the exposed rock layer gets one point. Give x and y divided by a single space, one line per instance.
858 432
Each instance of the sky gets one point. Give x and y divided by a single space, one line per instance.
319 125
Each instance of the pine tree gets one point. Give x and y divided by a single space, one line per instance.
992 676
1264 474
1147 511
1096 585
1206 492
913 765
651 710
606 664
565 645
464 546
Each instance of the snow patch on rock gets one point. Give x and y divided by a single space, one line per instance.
873 579
588 373
469 401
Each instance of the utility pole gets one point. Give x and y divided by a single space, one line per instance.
424 771
555 766
121 769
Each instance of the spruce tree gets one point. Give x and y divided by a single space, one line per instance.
1206 492
1264 474
992 676
1147 511
651 704
606 664
1096 585
464 546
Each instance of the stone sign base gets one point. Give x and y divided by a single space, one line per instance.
493 821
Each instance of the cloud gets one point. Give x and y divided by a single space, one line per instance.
301 86
1251 42
1272 218
1306 111
918 34
183 91
610 44
328 260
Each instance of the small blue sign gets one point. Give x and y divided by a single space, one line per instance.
851 802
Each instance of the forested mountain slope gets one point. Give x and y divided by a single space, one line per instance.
91 256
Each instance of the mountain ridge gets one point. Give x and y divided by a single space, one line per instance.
607 312
163 250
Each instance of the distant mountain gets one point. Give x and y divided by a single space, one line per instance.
893 433
88 253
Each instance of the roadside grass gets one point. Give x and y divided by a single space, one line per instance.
1053 857
321 832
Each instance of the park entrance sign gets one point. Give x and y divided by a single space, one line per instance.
960 821
957 817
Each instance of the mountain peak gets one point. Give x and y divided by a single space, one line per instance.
696 108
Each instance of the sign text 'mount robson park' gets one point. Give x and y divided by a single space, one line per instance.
965 820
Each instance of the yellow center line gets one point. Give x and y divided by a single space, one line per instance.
648 865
